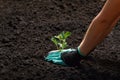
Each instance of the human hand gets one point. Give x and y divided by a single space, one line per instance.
66 57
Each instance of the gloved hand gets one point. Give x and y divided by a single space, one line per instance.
67 57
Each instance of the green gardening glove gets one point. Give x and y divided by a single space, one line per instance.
66 57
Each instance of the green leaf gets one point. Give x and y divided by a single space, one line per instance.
55 40
60 36
67 34
64 45
63 35
60 45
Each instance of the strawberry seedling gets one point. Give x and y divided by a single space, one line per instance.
60 40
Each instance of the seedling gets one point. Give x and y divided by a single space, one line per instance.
60 40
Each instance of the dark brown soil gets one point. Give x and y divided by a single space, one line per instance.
26 27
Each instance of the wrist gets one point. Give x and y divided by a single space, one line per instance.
80 52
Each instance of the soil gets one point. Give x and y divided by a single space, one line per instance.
26 27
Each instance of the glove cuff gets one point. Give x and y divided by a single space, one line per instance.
79 52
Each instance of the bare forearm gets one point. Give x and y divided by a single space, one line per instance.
96 32
101 26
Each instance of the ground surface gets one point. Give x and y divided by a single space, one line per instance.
26 27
